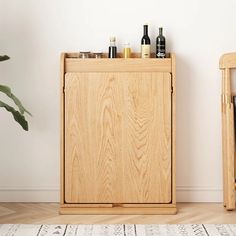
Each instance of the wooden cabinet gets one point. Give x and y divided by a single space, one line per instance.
118 135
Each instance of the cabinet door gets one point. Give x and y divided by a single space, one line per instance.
147 127
93 138
118 137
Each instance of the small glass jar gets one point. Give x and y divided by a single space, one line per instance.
126 50
84 55
97 55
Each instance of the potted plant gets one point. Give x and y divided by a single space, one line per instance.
19 113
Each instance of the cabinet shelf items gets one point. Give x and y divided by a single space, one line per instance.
117 135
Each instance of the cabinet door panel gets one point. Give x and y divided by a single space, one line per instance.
93 103
147 168
118 138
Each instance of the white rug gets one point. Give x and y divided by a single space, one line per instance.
118 230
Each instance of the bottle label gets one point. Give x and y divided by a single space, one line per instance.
161 51
145 51
161 54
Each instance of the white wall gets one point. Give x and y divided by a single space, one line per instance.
34 33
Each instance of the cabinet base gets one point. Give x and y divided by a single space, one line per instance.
118 211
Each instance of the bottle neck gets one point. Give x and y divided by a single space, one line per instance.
145 30
160 31
112 43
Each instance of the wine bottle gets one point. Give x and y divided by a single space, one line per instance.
145 43
160 45
112 52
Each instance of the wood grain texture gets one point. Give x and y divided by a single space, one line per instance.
47 213
228 135
223 112
93 138
230 159
173 126
228 60
147 129
116 71
119 211
118 138
91 205
62 128
230 143
118 65
113 205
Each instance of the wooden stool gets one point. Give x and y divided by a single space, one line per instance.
228 62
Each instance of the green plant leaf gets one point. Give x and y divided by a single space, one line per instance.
7 91
17 115
4 58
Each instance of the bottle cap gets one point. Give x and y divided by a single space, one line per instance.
112 39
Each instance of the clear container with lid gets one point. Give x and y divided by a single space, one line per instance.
97 55
84 54
126 50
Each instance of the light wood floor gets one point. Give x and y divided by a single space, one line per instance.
47 213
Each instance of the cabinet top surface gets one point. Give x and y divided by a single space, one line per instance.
72 63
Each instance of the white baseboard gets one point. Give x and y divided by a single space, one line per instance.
29 194
199 194
52 194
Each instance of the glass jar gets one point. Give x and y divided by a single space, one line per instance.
97 55
126 50
84 55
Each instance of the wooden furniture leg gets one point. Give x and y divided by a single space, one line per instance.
229 146
223 108
227 63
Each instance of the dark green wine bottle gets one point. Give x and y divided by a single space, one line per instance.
145 43
160 45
